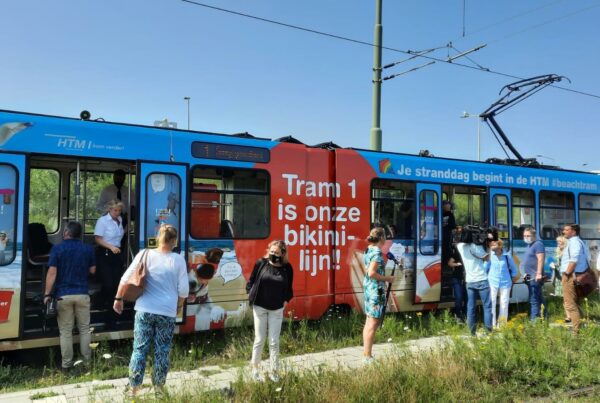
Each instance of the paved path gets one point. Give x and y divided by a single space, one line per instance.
215 377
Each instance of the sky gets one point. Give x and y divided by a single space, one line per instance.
134 62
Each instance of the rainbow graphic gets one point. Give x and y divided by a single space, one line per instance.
385 166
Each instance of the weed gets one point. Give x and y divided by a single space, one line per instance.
43 395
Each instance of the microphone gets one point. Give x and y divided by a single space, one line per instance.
391 257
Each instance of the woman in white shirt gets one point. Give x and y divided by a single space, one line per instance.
165 291
109 259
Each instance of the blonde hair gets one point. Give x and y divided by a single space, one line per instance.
167 235
376 235
111 204
558 251
282 246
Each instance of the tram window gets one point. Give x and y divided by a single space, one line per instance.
501 218
589 216
230 203
162 204
468 208
44 198
556 210
428 223
393 208
91 185
523 211
8 209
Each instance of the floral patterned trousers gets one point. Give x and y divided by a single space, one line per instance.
151 329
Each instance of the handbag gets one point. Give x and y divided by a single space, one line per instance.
134 287
585 283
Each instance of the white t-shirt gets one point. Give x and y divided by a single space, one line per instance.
109 230
166 281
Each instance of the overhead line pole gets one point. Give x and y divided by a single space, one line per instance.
376 127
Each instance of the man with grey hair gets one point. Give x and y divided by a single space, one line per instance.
70 263
533 264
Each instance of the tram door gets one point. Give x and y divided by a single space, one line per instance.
429 269
162 201
500 215
12 184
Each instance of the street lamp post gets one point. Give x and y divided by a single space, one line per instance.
188 110
468 115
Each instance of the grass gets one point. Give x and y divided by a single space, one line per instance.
43 395
523 361
232 347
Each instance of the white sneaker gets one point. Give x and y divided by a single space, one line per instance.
257 376
368 360
273 377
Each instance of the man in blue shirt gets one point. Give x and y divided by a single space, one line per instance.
533 265
574 260
69 266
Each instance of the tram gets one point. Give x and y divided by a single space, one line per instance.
237 192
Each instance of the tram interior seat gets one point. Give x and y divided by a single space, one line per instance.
519 231
549 232
226 230
38 250
38 254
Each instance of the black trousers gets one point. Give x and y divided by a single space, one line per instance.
109 269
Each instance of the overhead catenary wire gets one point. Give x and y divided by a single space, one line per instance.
505 20
365 43
541 24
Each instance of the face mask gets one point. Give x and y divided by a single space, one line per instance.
528 241
275 259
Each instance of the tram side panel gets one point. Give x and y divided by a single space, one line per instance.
299 205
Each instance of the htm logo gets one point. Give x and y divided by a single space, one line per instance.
73 143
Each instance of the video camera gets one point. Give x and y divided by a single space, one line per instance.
473 234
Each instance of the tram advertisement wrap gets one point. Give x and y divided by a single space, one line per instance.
324 220
10 256
10 295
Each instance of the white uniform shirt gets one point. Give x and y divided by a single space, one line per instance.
110 193
109 230
166 281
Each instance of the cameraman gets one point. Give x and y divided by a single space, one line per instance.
533 265
478 287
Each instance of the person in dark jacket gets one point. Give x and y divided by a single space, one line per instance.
269 289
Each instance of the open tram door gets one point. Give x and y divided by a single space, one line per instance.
162 201
12 185
428 251
501 219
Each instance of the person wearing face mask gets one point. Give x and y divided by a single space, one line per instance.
269 290
502 273
533 265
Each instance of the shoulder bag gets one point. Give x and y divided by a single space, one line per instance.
586 281
134 287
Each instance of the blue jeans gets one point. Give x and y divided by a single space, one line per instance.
536 299
459 298
479 289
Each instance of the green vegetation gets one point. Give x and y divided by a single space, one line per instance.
43 395
520 362
524 361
